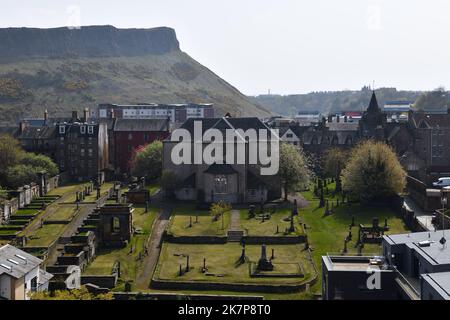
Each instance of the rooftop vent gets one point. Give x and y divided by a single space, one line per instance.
21 257
6 267
13 261
425 243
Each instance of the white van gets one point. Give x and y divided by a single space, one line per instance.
442 183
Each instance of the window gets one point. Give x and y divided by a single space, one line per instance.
62 129
115 225
146 136
90 152
130 136
289 135
34 284
220 184
90 129
83 129
82 152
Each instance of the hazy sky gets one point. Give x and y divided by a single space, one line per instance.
288 46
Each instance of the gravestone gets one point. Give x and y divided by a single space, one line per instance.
264 264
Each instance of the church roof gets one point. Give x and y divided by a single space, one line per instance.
220 169
373 105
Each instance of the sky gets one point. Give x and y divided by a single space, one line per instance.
285 46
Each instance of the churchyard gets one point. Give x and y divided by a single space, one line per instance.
223 264
131 257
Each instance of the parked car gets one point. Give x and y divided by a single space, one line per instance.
442 183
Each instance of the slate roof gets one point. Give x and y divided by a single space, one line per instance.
373 105
16 262
225 123
44 132
343 126
141 125
432 120
439 281
220 169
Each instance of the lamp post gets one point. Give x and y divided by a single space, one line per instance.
444 203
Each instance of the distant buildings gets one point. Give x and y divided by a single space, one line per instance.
177 113
20 274
421 139
130 134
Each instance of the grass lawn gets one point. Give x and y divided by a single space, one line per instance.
44 236
129 262
205 227
255 227
154 188
62 213
326 234
64 190
222 263
103 191
26 212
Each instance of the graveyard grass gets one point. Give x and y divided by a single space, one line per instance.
62 213
255 227
326 234
129 262
222 263
179 224
45 236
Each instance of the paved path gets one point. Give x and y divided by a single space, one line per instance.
154 248
423 217
235 220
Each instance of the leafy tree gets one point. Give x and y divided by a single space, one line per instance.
42 162
294 170
335 160
76 294
219 208
432 99
21 174
169 182
373 172
11 153
147 161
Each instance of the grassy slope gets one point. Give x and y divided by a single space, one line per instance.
169 78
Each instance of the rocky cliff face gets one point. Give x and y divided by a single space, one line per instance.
95 41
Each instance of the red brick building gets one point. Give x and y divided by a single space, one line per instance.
130 134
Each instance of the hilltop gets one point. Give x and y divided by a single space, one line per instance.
62 70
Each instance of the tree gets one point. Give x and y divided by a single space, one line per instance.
219 208
169 182
11 153
294 172
147 161
19 175
42 162
373 172
335 160
76 294
432 99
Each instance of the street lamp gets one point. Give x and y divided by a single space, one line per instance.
444 203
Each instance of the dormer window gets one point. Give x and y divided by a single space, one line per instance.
90 129
62 129
83 129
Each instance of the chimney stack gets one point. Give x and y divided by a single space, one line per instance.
23 125
113 116
345 119
74 116
330 118
46 116
338 119
86 115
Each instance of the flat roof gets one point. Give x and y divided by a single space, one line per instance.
439 281
435 253
353 263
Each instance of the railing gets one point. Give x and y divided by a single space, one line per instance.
403 279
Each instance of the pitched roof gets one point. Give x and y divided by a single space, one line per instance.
43 132
16 262
432 120
373 105
220 169
141 125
